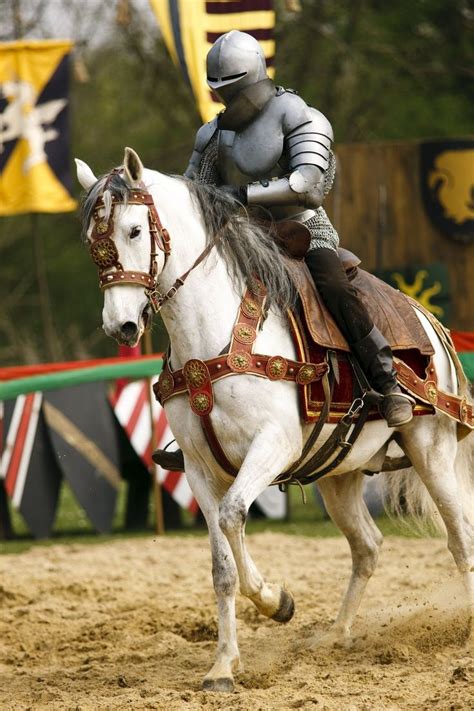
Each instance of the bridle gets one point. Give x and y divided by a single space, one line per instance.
104 253
103 249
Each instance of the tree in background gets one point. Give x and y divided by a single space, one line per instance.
379 70
383 70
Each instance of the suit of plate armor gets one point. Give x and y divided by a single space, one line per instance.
269 148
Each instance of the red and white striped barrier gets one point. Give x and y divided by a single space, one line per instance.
132 410
15 459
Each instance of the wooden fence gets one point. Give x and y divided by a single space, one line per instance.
376 205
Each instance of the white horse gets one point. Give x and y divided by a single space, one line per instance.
257 420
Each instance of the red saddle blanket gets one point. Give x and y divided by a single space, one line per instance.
315 332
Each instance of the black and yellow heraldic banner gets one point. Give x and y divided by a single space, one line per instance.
34 136
447 186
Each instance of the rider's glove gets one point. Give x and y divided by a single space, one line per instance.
236 192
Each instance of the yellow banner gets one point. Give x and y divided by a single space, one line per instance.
34 145
190 27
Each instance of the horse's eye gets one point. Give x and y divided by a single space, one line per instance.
135 231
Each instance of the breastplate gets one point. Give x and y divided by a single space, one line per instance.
253 153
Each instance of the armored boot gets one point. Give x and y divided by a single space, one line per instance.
375 357
171 461
367 343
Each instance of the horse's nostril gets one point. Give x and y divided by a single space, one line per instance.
129 329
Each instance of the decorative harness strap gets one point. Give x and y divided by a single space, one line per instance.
104 252
456 407
197 376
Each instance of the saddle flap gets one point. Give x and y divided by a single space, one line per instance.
389 309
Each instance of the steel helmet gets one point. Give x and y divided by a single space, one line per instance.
235 61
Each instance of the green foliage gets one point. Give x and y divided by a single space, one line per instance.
378 70
383 70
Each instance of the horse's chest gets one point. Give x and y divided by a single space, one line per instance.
253 153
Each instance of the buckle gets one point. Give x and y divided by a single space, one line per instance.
155 298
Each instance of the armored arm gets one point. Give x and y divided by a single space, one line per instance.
308 137
202 153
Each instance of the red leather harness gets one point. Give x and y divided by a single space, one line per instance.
104 252
197 376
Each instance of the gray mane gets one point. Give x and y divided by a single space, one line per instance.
118 189
247 248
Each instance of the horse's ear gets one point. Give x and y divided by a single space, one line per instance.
133 167
84 174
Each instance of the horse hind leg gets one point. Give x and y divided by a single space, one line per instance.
343 498
261 466
432 450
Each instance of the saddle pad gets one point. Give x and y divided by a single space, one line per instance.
312 396
389 309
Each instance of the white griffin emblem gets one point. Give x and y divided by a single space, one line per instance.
22 118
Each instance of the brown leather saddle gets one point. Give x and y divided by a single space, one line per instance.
390 310
316 334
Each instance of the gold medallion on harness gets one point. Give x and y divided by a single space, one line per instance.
238 361
104 253
306 374
250 308
244 333
277 367
102 227
195 373
431 392
200 403
463 412
256 287
165 384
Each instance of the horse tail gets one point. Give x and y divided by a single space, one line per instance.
406 497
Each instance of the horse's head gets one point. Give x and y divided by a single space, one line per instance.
127 242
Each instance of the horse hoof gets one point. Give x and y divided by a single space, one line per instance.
224 685
286 609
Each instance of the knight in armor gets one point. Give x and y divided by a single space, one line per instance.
268 148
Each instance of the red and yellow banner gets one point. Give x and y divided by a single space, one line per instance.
34 140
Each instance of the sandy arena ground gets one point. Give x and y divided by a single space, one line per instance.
131 625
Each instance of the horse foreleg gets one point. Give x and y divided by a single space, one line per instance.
224 575
263 463
343 498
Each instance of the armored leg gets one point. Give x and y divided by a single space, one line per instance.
366 342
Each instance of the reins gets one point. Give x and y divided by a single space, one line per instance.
157 299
